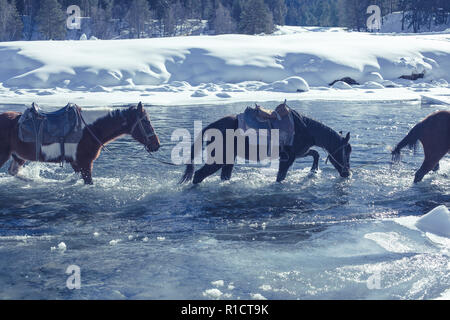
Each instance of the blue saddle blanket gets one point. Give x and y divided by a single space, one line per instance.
50 127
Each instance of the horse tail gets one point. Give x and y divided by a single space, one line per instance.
189 172
411 140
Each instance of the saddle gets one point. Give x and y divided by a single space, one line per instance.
280 112
43 128
259 118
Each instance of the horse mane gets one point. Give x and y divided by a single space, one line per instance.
112 115
314 126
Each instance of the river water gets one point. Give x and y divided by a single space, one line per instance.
137 234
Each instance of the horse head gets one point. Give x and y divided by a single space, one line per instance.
141 128
340 157
282 110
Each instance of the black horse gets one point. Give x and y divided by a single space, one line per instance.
308 133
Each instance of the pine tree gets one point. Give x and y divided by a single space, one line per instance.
10 24
279 11
256 18
101 20
51 20
169 21
353 13
138 14
236 10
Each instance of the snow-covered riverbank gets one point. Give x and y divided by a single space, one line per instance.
295 63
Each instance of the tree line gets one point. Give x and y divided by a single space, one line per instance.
109 19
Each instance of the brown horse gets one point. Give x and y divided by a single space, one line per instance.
434 133
97 132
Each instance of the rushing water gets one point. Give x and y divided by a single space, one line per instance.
137 234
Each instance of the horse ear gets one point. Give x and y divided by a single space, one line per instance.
140 107
347 138
285 101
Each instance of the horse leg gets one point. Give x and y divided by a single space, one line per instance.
284 167
75 167
430 163
86 174
4 157
206 171
316 157
226 172
15 165
436 168
86 171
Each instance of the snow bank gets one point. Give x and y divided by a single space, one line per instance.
291 84
436 221
284 62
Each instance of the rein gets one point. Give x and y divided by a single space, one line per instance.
355 168
164 161
330 155
368 164
92 133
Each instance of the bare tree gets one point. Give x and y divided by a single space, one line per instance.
138 15
174 19
180 16
101 21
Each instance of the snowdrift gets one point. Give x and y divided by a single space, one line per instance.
436 221
289 61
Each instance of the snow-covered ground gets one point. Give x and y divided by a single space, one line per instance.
294 63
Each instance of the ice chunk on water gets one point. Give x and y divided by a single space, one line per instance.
266 287
436 221
257 296
390 241
445 295
212 293
114 242
218 283
61 247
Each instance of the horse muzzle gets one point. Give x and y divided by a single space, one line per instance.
152 147
345 174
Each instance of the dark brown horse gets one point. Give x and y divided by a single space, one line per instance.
434 133
97 132
308 133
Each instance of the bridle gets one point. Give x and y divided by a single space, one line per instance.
330 155
145 134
